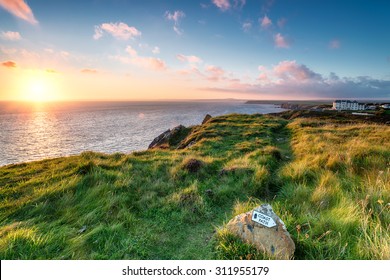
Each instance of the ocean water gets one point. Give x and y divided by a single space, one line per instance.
31 131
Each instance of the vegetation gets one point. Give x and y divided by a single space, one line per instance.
329 181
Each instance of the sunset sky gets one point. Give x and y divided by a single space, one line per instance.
245 49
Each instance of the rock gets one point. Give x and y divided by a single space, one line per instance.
162 140
206 118
267 233
193 165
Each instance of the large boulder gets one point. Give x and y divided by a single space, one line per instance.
262 228
162 141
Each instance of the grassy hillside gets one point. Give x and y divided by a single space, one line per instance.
328 181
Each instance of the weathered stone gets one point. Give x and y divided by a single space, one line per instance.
274 241
162 141
206 118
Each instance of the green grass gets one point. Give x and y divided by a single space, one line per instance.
328 181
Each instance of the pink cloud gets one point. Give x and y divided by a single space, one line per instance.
334 44
215 73
223 5
265 22
141 61
132 52
291 70
192 59
9 64
192 71
11 36
176 16
280 41
20 9
118 30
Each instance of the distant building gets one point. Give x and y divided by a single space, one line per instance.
371 107
386 106
348 105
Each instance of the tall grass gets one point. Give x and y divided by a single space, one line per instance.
328 181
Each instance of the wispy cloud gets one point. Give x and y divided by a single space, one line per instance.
334 44
20 9
247 26
265 22
133 58
282 22
192 59
239 3
9 64
281 41
266 7
176 17
118 30
215 73
11 36
156 50
89 71
223 5
52 71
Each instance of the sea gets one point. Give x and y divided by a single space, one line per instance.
35 131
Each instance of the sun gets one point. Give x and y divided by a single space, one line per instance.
39 86
39 90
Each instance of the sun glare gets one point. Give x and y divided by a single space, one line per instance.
39 87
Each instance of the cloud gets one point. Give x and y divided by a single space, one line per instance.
246 26
20 9
51 71
9 64
223 5
192 59
118 30
132 52
151 63
267 4
265 22
239 4
89 71
215 73
292 71
334 44
282 22
289 79
176 16
156 50
280 41
11 36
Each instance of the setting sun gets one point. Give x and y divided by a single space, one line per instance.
39 86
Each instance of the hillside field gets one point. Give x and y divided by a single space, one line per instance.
328 180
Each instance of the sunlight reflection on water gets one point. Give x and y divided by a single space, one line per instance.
58 129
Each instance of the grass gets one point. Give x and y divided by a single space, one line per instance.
328 180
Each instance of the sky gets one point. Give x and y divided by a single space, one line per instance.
207 49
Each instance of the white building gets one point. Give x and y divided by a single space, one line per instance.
348 105
386 106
